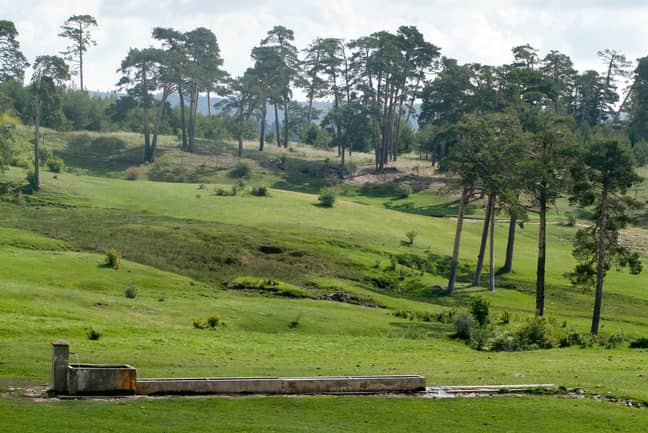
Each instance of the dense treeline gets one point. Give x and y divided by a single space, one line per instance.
518 135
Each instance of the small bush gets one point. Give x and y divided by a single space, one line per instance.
613 341
55 165
639 343
464 325
130 292
505 318
403 190
19 161
19 199
214 320
260 191
479 309
240 171
571 219
326 197
295 323
220 192
503 342
199 324
132 173
31 178
479 338
411 236
93 335
113 258
533 335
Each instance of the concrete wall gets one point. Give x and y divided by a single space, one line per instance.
276 385
101 379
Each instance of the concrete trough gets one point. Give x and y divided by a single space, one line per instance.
279 385
101 379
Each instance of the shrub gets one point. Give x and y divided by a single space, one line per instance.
132 173
220 192
55 165
503 342
613 340
240 171
571 219
479 338
130 292
479 309
505 318
260 191
533 335
403 190
19 199
19 161
199 324
93 335
326 197
464 325
113 258
214 320
639 343
31 178
410 237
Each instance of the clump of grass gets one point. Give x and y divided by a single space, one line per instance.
212 322
113 258
93 334
326 197
130 292
464 326
295 323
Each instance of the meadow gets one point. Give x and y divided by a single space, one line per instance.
268 266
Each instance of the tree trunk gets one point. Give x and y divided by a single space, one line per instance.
510 245
183 123
80 57
208 103
147 135
240 135
278 138
542 251
37 120
457 241
600 263
264 109
482 245
156 128
491 258
285 138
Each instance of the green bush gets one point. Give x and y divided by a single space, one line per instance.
403 190
199 324
503 342
19 161
639 343
93 335
479 309
132 173
55 165
130 292
533 335
411 236
214 320
260 191
240 171
113 258
326 197
464 326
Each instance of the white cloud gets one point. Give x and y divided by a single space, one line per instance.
469 30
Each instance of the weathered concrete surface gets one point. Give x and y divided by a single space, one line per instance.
101 379
278 385
60 363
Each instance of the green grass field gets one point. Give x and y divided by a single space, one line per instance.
189 253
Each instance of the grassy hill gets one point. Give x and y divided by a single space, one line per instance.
272 267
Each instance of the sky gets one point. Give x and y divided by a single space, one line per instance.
468 30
